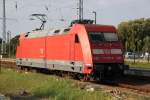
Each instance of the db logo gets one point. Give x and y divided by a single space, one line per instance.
41 50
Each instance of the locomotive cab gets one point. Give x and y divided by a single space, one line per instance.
106 49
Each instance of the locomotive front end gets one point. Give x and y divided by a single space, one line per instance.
107 51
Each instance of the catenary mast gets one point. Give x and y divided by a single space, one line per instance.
80 9
3 48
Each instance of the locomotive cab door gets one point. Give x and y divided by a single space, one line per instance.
71 45
76 54
75 48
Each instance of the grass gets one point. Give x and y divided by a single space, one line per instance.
49 87
41 86
142 65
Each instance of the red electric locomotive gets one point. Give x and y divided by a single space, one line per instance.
83 49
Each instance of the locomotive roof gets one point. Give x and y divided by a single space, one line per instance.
47 32
59 31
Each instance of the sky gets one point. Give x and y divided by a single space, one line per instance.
110 12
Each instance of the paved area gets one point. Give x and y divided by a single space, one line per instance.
138 72
137 60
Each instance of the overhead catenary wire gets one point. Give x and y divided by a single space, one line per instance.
48 7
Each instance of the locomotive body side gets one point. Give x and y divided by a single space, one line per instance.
55 52
31 52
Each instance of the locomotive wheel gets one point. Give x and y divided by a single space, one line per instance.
65 75
19 68
68 75
34 70
99 76
121 73
81 77
26 69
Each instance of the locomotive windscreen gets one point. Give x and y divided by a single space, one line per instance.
101 36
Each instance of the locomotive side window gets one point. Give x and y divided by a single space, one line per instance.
66 31
27 34
57 31
76 39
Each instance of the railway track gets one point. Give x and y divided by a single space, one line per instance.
140 84
135 83
8 63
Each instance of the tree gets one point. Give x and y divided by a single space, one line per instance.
133 34
11 46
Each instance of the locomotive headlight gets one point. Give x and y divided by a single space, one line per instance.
109 68
121 67
98 51
116 51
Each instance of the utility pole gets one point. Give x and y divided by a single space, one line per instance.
9 42
3 48
80 9
95 15
3 34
